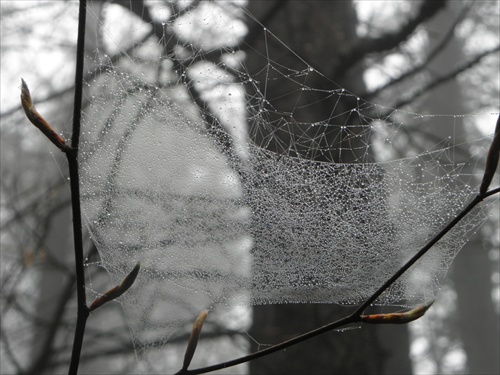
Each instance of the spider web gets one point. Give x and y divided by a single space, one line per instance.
189 167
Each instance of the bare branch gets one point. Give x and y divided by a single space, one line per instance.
387 41
443 79
432 54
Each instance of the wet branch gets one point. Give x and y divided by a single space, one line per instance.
82 309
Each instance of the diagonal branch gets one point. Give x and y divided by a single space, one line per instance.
432 54
387 41
354 317
88 78
223 141
443 79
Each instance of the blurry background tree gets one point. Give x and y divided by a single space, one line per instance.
424 56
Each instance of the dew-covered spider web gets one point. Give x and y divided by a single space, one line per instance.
191 166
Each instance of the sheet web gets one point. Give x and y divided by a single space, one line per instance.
188 167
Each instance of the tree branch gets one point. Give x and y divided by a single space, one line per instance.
72 156
354 317
443 79
432 54
222 139
387 41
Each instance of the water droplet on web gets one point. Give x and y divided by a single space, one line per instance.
171 195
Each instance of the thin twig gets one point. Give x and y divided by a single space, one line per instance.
354 317
87 78
72 155
419 254
432 54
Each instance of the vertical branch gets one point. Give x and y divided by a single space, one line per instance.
80 49
72 155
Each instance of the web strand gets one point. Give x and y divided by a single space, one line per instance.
226 198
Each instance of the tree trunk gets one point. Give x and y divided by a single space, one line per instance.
318 32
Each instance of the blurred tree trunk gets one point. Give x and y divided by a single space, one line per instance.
318 32
476 323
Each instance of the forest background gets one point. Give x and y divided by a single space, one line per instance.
425 57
